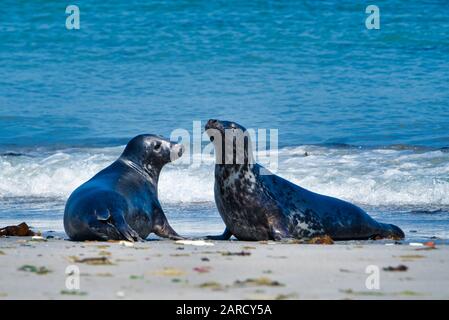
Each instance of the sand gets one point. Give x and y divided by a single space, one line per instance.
220 270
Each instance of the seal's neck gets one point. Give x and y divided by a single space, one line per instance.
148 171
224 171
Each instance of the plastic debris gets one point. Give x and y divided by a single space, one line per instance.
194 242
38 238
127 244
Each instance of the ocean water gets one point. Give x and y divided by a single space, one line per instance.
369 107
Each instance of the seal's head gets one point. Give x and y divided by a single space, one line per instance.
151 152
231 140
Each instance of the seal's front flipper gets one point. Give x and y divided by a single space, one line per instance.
225 236
128 233
162 228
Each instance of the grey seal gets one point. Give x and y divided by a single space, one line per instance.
121 201
258 205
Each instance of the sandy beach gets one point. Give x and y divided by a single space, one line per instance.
162 269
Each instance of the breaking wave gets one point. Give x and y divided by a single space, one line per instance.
381 176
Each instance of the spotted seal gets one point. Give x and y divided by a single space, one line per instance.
258 205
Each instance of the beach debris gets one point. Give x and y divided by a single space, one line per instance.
34 269
136 277
21 230
170 272
262 281
73 292
248 248
239 253
202 269
104 253
180 255
416 244
362 293
429 245
344 270
38 239
267 271
379 293
409 257
261 296
127 244
213 285
178 280
125 260
409 293
94 261
399 268
286 296
321 240
2 253
194 242
266 242
104 274
205 259
277 257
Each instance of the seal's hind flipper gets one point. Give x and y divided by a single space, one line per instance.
390 231
114 227
225 236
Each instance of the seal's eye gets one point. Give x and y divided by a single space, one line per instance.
157 146
211 138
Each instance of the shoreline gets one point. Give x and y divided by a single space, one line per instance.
163 269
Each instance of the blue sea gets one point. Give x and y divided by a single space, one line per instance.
370 108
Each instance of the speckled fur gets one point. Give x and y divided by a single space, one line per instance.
258 207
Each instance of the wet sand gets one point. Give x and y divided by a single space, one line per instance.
221 270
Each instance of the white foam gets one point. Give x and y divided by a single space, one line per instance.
374 177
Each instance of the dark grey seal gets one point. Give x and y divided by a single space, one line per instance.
121 202
258 205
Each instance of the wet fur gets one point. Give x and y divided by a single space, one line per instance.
121 202
267 207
